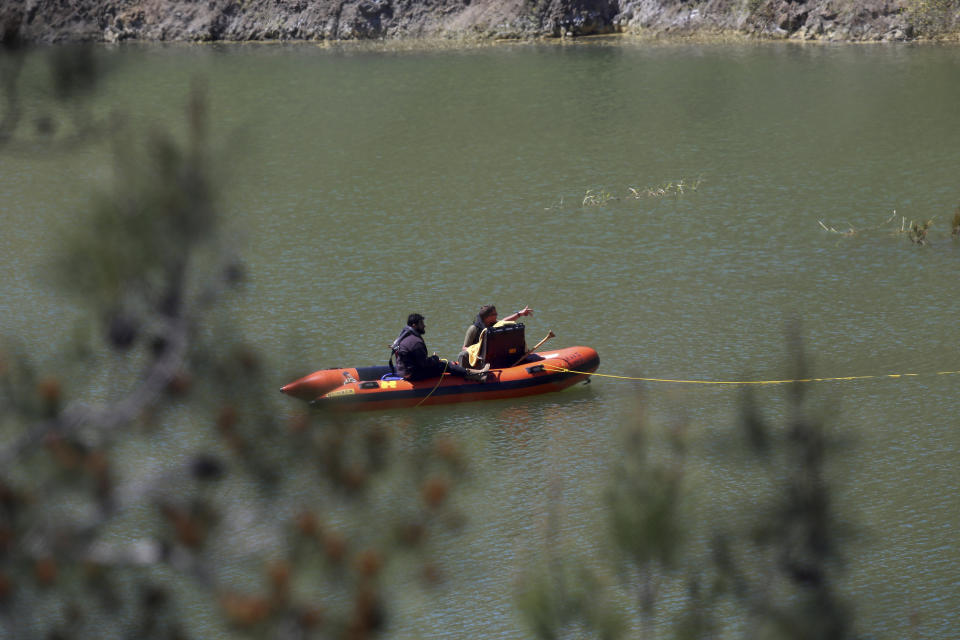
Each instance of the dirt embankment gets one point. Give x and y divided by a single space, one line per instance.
331 20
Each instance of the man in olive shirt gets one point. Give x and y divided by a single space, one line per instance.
486 319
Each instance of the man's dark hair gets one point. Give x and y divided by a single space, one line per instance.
413 319
486 310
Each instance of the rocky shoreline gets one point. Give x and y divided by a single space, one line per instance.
51 21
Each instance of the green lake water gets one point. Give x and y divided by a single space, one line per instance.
368 184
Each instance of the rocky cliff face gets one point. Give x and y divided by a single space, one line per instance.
246 20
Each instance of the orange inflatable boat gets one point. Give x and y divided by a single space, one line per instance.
366 388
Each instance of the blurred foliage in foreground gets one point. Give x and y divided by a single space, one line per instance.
777 578
150 483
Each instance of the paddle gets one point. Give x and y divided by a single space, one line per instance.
535 347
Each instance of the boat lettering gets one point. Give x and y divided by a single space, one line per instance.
341 392
388 384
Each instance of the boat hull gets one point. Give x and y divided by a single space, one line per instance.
361 389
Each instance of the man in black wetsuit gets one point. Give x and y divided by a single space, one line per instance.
412 360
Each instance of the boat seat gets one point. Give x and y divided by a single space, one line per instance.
373 373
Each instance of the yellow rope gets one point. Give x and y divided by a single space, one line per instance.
439 380
744 382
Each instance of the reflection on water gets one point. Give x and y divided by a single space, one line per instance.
374 184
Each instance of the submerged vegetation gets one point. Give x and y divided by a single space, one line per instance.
600 197
667 189
597 198
914 230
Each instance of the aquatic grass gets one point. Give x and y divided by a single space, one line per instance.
915 230
666 189
597 198
852 231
